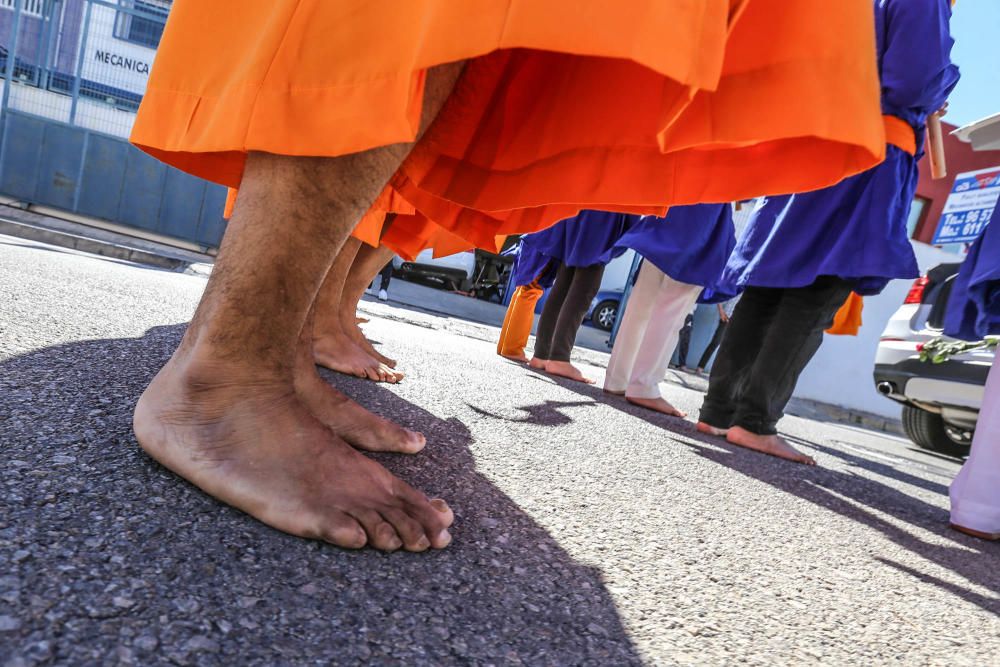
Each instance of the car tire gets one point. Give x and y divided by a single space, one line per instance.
604 315
927 431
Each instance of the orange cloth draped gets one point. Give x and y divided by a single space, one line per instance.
847 321
627 106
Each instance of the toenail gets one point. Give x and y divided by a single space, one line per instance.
444 538
440 505
423 543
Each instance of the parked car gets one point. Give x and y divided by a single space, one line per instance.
455 271
603 310
940 401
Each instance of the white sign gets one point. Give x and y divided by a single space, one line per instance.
969 207
113 61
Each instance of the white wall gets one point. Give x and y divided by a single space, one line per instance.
616 272
841 372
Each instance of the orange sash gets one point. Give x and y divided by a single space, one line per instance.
899 134
848 319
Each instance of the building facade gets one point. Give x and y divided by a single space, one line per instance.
73 75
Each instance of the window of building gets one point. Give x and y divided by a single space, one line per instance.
28 7
145 27
916 213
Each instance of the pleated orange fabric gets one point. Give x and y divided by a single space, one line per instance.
627 106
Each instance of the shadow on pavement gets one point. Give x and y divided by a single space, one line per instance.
107 557
851 495
544 414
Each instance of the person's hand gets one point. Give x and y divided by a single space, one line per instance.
940 113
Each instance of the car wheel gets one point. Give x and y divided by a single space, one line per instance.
605 314
928 431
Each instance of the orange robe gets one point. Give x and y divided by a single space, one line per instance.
629 106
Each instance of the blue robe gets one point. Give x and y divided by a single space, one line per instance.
691 244
857 229
974 304
583 240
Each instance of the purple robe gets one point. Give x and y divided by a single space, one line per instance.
691 244
974 305
857 229
583 240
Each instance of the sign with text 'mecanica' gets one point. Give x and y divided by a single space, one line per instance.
969 207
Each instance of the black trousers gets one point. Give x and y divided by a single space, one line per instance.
772 336
386 274
565 308
713 344
684 340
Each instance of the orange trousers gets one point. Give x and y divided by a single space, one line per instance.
518 320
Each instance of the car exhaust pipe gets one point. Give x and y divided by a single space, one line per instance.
886 388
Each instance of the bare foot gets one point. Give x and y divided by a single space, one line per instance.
708 429
339 353
519 358
768 444
359 427
355 333
566 370
656 404
992 537
613 393
537 364
252 444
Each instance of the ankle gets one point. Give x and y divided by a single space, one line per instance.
198 370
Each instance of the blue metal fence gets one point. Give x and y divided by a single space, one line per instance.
73 75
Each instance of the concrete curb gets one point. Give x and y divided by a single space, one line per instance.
34 226
92 246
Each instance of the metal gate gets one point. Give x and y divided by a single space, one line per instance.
74 72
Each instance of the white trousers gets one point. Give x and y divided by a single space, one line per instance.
975 493
648 334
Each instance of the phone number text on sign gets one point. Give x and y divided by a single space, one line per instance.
969 207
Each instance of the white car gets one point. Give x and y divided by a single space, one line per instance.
940 401
455 271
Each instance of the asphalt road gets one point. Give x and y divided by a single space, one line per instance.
587 532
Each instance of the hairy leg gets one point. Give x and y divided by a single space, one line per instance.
333 347
225 412
368 263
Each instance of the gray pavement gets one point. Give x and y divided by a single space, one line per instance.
587 532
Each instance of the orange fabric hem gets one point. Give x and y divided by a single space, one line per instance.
629 106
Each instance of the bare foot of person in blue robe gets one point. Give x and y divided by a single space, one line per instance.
768 444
